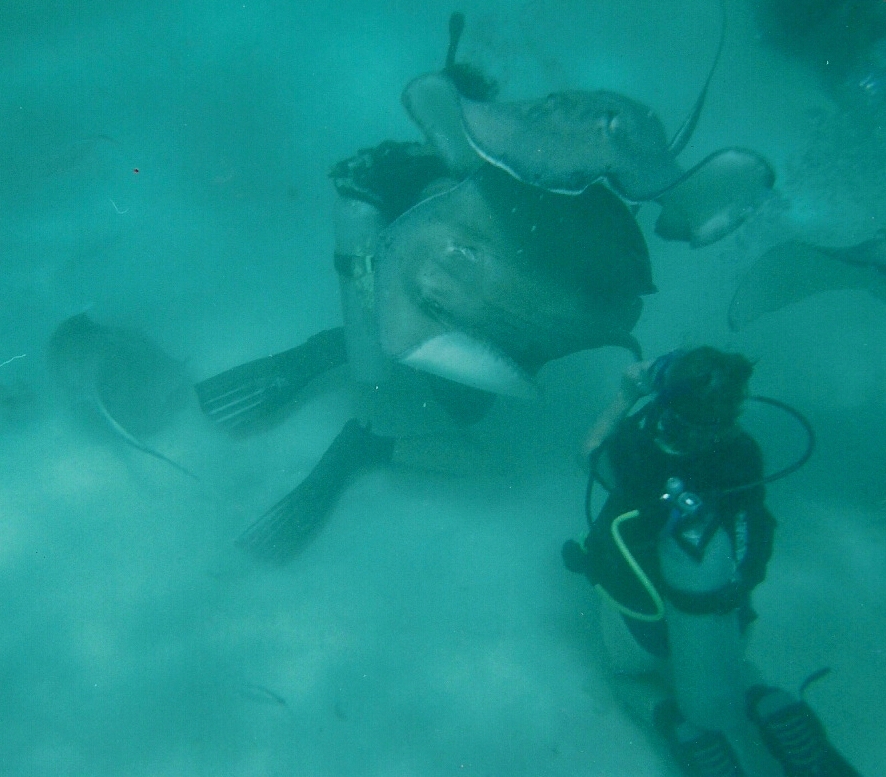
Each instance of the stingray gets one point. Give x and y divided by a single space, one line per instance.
792 271
570 140
486 282
120 378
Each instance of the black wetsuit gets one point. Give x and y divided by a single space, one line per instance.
635 470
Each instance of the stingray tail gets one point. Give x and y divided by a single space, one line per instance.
683 135
133 441
456 28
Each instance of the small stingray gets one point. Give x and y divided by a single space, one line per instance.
715 197
790 272
120 377
569 140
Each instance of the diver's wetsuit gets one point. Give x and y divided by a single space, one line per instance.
635 470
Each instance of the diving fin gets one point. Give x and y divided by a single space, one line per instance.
794 734
256 395
296 519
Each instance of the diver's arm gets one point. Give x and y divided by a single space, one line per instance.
358 224
634 385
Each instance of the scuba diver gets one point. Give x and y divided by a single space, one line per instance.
683 538
415 417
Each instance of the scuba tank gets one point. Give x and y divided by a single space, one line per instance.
357 227
706 647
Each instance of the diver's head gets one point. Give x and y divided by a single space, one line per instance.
700 393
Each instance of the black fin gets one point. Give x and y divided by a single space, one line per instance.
256 395
296 519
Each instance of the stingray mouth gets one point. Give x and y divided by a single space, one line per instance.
463 359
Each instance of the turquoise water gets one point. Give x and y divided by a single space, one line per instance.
164 167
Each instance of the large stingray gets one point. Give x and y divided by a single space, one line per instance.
570 140
120 378
534 254
486 282
792 271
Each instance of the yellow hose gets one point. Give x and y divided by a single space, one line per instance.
638 571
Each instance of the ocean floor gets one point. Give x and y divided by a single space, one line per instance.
163 167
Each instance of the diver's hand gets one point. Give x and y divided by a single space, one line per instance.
635 383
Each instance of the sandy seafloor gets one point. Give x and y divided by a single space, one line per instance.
430 629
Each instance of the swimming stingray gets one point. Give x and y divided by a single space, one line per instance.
570 140
792 271
119 378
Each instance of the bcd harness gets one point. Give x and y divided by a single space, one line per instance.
692 524
692 521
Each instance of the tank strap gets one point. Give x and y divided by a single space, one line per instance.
721 601
354 265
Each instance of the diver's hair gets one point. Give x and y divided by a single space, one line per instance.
707 386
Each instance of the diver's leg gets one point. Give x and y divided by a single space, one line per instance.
255 395
637 675
294 521
699 751
358 225
636 651
374 187
288 526
707 668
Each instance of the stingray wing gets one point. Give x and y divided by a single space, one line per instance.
792 271
568 140
715 197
